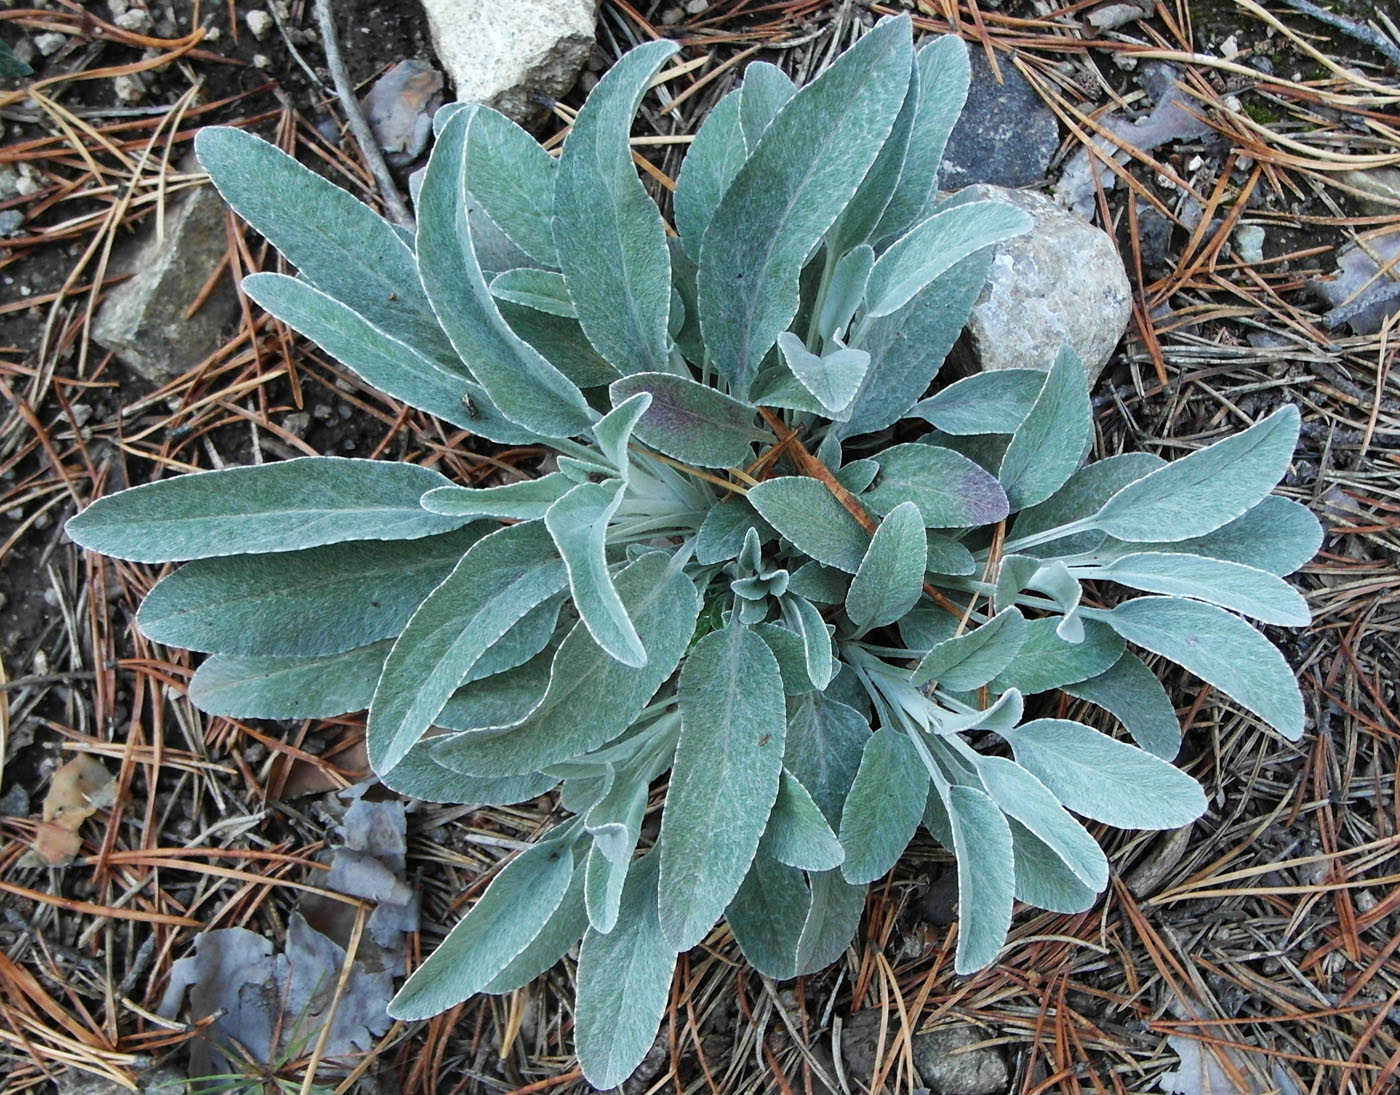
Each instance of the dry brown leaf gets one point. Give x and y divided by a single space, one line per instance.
76 791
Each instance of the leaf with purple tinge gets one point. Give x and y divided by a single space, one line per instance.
690 421
949 489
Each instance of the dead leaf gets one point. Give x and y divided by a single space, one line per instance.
1364 292
77 790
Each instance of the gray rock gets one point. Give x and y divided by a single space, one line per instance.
510 55
949 1067
1006 136
1062 283
143 319
860 1039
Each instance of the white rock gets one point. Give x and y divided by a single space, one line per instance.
129 89
259 22
511 55
136 20
1062 283
49 44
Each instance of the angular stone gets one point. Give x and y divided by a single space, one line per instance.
1005 136
510 56
1062 283
949 1067
143 319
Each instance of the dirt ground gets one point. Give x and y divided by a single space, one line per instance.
1260 943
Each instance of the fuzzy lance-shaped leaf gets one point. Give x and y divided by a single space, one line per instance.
970 660
418 775
845 292
1132 694
527 500
690 421
710 164
804 511
1047 661
832 378
1105 779
527 388
1021 796
765 91
1051 442
788 648
949 489
559 341
857 221
883 807
287 506
947 556
1277 535
1245 589
578 523
723 781
802 616
608 232
522 641
788 193
986 876
592 697
513 183
500 699
508 916
767 915
1004 714
382 362
1014 574
1042 879
943 74
891 576
722 532
1199 493
542 290
624 978
822 584
831 923
256 687
1085 491
613 431
934 246
499 580
604 880
339 244
993 402
1221 649
908 348
561 932
300 603
798 834
825 740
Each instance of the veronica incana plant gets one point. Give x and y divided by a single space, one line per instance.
762 557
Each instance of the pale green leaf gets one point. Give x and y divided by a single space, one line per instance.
802 616
767 915
986 876
559 341
724 778
992 402
722 532
832 920
512 182
1085 491
1021 796
1221 649
609 234
804 511
1199 493
499 580
1131 692
542 290
845 291
1053 439
1047 661
934 246
765 91
883 806
891 576
527 388
509 915
1105 779
419 775
254 687
613 431
788 193
624 979
578 524
831 378
287 506
970 660
949 489
689 421
787 646
501 699
1042 879
798 834
1245 589
527 500
604 879
592 697
710 164
563 929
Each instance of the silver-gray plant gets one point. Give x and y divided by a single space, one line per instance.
730 572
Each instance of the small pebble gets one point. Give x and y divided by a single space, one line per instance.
136 20
11 221
695 7
1249 239
49 44
1230 48
129 89
259 22
671 16
262 60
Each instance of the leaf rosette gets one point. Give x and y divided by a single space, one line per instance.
729 573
